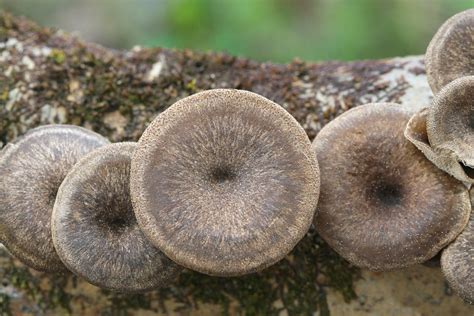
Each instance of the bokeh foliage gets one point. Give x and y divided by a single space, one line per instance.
276 30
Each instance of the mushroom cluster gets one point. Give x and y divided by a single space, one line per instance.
394 184
445 132
383 205
229 194
226 182
397 193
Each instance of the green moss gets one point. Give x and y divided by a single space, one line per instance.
191 86
4 95
5 305
121 304
52 297
292 284
58 56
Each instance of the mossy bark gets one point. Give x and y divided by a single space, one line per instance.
48 76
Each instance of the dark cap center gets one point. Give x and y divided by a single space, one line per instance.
388 194
115 215
222 174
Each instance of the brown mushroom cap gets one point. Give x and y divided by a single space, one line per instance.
224 182
450 122
382 204
450 54
417 134
94 228
32 169
457 261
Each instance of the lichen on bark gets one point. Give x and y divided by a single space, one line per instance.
48 76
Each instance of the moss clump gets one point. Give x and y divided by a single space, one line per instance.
51 296
294 285
5 305
58 56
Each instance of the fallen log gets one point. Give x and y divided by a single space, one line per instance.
48 76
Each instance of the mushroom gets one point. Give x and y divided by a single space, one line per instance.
94 229
450 54
457 261
450 124
224 182
416 133
382 204
32 168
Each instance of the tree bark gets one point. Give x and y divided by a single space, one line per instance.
48 76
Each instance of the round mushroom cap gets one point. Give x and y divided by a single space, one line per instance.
224 182
450 122
94 228
450 54
32 169
457 261
383 205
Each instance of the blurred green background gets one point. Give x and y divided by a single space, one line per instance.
274 30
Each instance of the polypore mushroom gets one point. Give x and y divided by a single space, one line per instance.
450 54
383 205
416 133
457 261
224 182
450 123
94 228
32 168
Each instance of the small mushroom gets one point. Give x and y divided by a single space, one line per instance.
416 133
383 205
94 228
450 54
450 123
224 182
32 169
457 261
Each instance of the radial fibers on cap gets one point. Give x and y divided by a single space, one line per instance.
382 204
95 231
32 169
224 182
